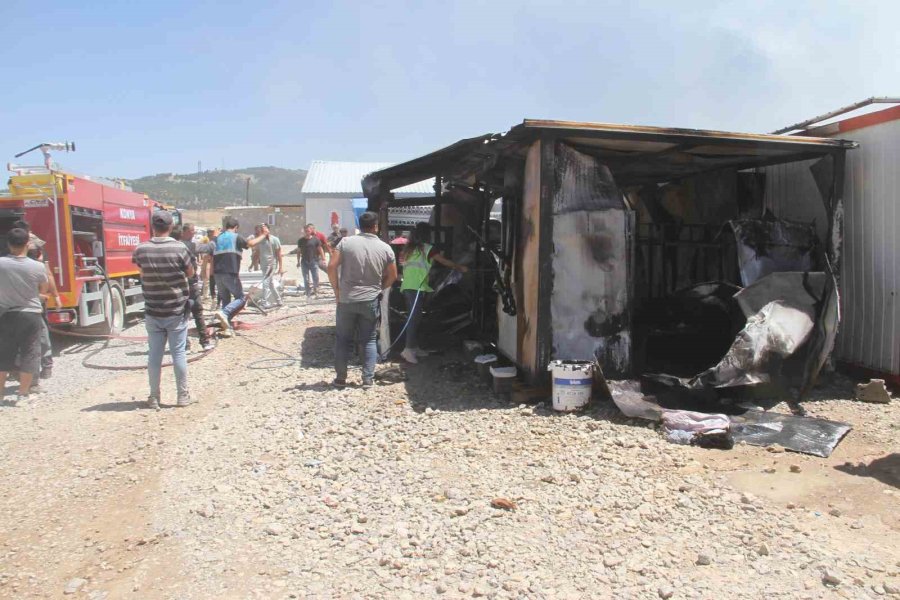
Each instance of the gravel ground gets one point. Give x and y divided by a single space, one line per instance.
276 486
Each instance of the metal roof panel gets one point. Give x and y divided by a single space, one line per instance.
344 177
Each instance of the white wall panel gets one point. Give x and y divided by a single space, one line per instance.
870 328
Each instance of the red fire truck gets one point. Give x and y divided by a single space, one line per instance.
91 227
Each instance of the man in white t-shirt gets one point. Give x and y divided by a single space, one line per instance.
270 263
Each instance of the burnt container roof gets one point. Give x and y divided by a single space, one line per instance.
635 154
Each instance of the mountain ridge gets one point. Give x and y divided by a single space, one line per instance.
218 188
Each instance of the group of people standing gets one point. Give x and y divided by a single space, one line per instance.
171 265
26 284
360 268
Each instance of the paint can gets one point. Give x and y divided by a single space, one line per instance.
572 382
483 363
503 380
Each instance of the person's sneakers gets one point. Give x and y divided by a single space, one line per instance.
207 345
20 400
153 402
46 372
339 384
409 355
222 320
422 353
35 389
185 400
367 383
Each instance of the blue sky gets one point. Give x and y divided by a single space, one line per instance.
153 87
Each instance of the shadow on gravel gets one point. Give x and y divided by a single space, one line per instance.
885 469
120 407
447 381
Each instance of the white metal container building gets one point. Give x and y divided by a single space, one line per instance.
869 338
331 186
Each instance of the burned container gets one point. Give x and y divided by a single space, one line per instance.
603 225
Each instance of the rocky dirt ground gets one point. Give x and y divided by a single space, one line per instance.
276 486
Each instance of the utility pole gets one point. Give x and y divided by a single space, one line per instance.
247 199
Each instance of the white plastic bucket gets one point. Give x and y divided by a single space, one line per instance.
483 363
572 382
503 379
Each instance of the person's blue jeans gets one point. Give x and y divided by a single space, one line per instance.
310 275
415 316
356 320
174 330
229 286
234 307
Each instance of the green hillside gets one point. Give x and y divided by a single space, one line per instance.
211 189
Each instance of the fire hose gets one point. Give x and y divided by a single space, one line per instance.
238 325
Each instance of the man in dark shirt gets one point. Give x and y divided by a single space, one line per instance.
227 260
187 238
166 267
321 237
310 252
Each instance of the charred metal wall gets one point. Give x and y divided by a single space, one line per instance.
573 262
522 330
592 257
870 281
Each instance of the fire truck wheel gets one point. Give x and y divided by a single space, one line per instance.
114 306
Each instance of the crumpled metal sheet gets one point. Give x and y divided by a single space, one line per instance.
792 307
770 336
808 435
772 245
627 396
793 288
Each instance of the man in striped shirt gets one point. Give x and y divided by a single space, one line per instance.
165 265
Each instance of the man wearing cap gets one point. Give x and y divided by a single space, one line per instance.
166 267
361 267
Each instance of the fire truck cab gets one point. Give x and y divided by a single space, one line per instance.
91 227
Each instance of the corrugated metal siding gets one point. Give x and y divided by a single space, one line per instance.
872 335
870 328
341 177
791 193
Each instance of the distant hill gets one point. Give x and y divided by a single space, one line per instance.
268 185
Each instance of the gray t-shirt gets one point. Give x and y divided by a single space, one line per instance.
364 258
267 250
20 280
